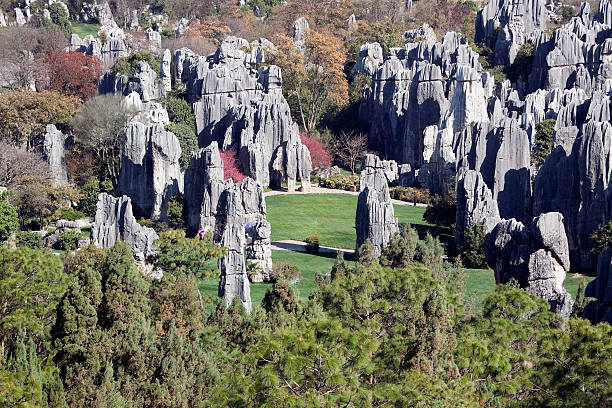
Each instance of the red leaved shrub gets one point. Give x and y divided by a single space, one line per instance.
231 166
319 155
73 73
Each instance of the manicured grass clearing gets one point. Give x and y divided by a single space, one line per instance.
330 216
83 30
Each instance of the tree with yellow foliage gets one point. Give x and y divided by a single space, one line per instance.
314 82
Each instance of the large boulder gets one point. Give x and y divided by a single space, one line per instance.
374 219
115 221
54 154
537 257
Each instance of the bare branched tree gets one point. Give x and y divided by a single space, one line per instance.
350 147
99 126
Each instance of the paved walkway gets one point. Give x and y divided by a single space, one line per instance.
322 190
300 246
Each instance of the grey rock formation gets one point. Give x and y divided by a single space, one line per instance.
54 154
535 256
153 36
369 59
245 111
115 221
600 310
144 83
19 17
374 219
61 227
505 25
475 204
300 32
150 170
235 213
164 70
419 34
2 19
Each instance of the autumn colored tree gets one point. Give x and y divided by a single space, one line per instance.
314 80
73 73
24 114
231 166
319 155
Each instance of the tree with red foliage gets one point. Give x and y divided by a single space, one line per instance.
231 166
319 155
73 73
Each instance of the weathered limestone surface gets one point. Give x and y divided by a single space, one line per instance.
537 257
374 219
150 169
245 111
54 154
475 204
600 310
114 221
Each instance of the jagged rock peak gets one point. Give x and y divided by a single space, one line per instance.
374 219
54 154
115 221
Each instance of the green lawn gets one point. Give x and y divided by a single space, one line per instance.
330 216
83 30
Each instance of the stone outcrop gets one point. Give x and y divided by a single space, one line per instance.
245 111
369 59
144 83
115 221
505 25
600 310
61 227
150 169
537 257
475 204
300 32
114 46
375 219
54 154
235 214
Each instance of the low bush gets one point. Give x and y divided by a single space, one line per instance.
442 210
602 238
29 239
128 66
69 214
158 226
175 211
284 271
341 182
407 194
68 241
312 244
89 197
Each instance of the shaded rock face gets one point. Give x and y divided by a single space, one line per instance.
150 169
113 48
475 204
244 110
236 214
537 257
54 154
375 219
505 25
574 180
369 59
115 220
420 96
144 83
600 310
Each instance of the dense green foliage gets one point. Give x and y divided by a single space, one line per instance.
180 255
9 219
545 132
602 238
472 248
176 211
442 210
89 197
29 239
68 241
128 66
60 17
187 139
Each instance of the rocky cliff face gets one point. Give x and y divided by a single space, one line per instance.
54 154
600 310
244 110
537 257
375 219
115 220
150 169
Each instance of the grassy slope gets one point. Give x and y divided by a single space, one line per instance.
82 29
331 216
